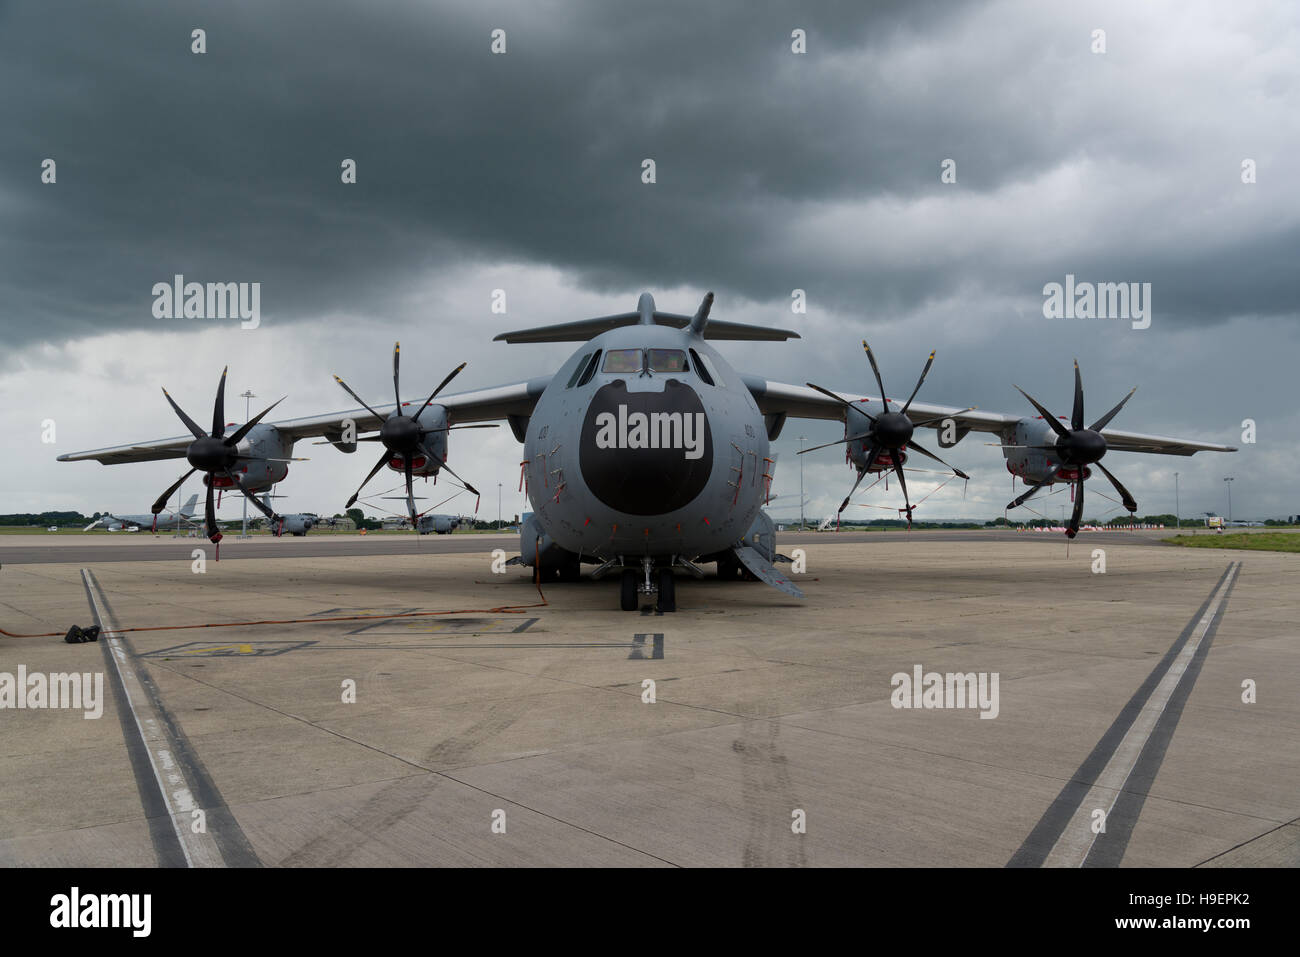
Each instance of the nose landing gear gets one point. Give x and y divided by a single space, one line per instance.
656 582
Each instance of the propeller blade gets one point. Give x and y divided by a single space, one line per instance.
247 427
876 369
940 418
219 407
958 472
924 372
448 428
261 506
441 385
1129 502
1102 422
189 423
358 398
1028 495
1057 427
1076 417
210 515
373 472
827 445
410 496
845 504
397 393
1073 528
907 502
841 401
442 463
871 460
162 499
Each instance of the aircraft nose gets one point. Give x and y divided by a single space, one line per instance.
646 453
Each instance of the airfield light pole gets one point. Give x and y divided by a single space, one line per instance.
1177 512
498 506
801 524
1228 480
247 394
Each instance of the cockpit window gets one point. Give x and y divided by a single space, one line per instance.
623 360
591 369
667 360
578 370
706 372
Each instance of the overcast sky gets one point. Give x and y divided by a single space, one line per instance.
775 170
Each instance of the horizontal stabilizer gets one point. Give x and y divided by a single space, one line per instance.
579 331
585 329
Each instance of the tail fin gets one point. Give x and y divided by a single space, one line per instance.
188 508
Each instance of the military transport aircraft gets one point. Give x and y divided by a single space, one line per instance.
647 453
156 520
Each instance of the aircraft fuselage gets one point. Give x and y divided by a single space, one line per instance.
646 443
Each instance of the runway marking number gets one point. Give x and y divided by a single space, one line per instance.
639 647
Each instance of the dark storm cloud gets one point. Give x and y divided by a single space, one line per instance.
225 166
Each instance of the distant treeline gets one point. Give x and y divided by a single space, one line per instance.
1121 521
47 518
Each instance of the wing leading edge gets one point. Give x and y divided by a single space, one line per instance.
480 405
801 402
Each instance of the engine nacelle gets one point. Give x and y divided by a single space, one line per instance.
262 443
855 423
257 475
1020 447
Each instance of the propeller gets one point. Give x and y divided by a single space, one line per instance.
887 434
403 436
216 455
1076 448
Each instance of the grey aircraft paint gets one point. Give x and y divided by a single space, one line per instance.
645 502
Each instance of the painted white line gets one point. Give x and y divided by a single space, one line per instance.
200 850
1072 847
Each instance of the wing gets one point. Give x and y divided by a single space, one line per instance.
801 402
480 405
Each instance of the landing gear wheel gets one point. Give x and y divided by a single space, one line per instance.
570 569
628 596
667 590
727 570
